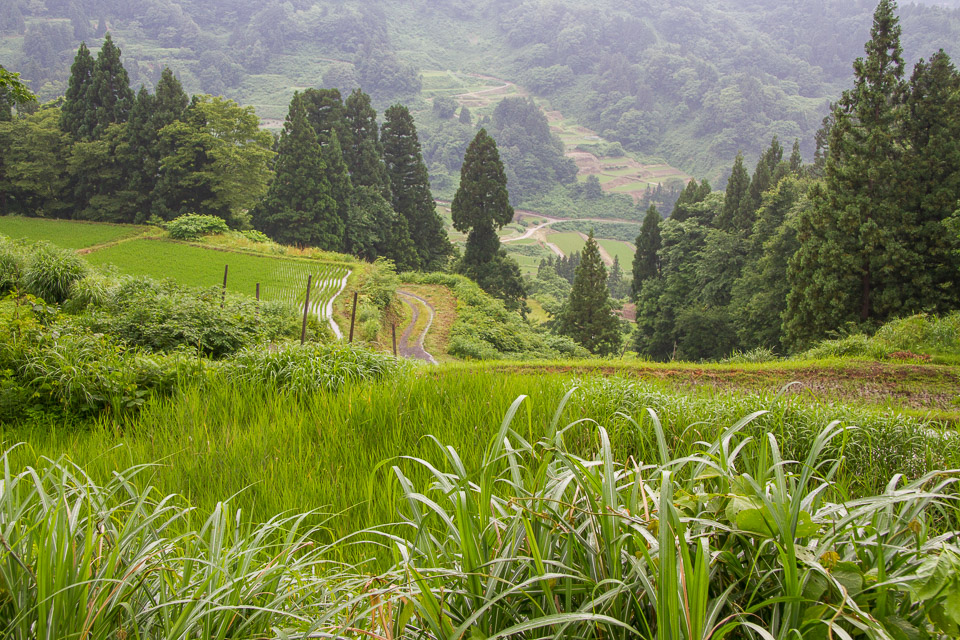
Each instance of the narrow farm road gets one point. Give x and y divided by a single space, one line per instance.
415 350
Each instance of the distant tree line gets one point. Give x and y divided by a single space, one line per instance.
796 253
334 179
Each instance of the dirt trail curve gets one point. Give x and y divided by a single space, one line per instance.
416 349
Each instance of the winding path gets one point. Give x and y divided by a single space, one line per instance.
416 350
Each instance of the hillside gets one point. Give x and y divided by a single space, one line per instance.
690 82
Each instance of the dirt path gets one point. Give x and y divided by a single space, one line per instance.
415 350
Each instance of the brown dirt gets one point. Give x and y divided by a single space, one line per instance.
587 163
917 387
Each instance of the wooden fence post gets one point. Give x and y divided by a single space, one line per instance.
223 296
353 316
306 309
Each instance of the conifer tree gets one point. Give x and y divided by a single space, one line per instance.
375 230
932 163
738 185
410 186
588 317
298 208
480 207
110 95
687 197
767 173
142 152
361 144
703 191
853 252
615 279
326 113
796 160
76 103
341 187
465 116
646 261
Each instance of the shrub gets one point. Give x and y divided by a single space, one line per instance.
755 355
255 236
13 263
853 346
193 226
380 284
51 272
922 333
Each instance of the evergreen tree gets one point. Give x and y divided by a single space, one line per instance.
375 230
767 173
74 118
410 186
703 191
615 279
298 208
109 92
588 317
738 185
480 207
465 116
646 261
142 153
326 113
796 160
361 144
932 164
854 240
341 187
687 197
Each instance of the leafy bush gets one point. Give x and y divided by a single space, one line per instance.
51 272
380 284
13 263
193 226
255 236
918 334
922 333
166 316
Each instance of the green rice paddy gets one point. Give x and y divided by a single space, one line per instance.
280 279
618 249
66 233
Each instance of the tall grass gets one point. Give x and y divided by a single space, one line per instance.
521 537
332 448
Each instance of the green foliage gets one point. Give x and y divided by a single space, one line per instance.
375 230
646 262
13 263
532 156
216 161
362 149
919 336
410 188
298 208
587 317
192 226
51 272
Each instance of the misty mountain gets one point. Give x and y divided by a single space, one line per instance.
691 81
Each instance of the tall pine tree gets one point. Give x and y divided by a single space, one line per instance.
480 207
646 261
731 217
410 186
74 118
298 208
853 240
588 316
361 144
109 93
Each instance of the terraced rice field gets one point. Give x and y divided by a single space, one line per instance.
280 279
66 233
619 249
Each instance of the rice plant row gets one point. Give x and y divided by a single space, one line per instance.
281 280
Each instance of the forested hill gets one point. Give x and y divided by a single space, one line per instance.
689 80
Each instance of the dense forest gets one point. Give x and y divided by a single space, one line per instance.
689 81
